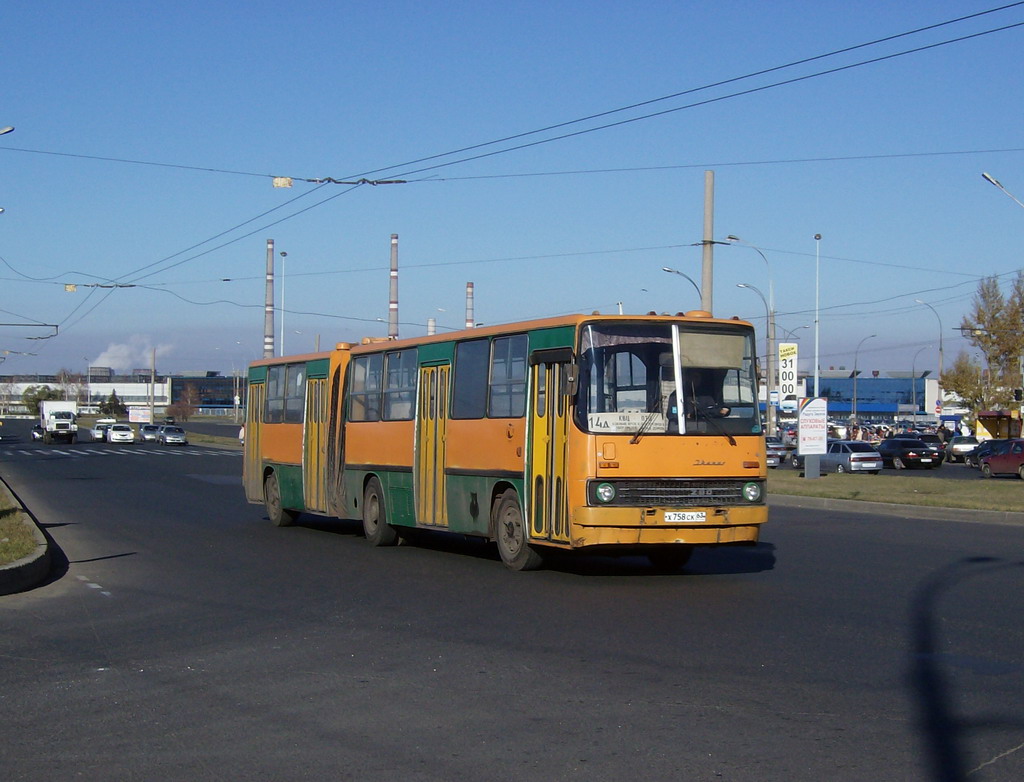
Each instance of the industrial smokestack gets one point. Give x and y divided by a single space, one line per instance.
268 310
393 299
470 319
431 327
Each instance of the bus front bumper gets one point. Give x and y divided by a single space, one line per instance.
594 526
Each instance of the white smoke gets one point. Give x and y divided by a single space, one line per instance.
137 353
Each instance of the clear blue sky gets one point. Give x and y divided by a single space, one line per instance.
883 159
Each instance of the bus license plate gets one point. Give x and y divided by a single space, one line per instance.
685 515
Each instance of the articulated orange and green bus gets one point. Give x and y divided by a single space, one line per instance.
614 434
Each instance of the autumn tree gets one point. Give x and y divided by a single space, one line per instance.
185 407
994 327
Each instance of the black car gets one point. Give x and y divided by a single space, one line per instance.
985 447
932 442
903 452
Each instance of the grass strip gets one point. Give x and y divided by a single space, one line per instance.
1002 494
16 538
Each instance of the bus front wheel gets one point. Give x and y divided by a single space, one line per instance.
375 516
279 515
510 534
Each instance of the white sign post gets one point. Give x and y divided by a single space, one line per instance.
812 428
787 376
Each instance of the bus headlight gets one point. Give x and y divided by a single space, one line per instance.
605 492
752 492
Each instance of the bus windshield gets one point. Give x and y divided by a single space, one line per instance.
667 379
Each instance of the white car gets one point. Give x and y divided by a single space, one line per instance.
99 429
120 433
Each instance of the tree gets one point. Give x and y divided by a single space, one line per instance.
33 395
185 407
994 327
969 381
113 406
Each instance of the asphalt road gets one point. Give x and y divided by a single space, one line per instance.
184 637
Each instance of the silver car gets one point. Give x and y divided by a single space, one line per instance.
775 451
171 435
851 456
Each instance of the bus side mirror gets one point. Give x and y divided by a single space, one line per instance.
570 378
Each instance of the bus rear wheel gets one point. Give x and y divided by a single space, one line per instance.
375 516
279 515
510 534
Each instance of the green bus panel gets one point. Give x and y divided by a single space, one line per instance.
397 486
436 353
469 501
318 368
257 374
558 337
289 478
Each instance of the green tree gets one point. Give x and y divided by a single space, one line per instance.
994 327
969 381
113 406
33 395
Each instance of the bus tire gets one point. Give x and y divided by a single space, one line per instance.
375 516
279 515
669 560
511 536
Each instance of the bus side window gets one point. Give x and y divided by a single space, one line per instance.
469 397
400 385
508 377
364 395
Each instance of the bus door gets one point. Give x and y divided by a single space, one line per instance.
252 466
549 437
314 452
431 419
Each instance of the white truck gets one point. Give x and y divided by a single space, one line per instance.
58 421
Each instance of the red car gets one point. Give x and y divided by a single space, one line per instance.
1009 460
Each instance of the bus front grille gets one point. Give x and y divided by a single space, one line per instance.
673 492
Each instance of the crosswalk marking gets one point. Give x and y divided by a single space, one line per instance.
80 453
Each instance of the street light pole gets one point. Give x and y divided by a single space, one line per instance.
768 412
769 325
817 288
856 353
283 256
691 280
939 401
913 381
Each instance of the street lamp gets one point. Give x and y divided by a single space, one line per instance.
939 401
991 179
768 358
853 409
769 325
790 332
676 271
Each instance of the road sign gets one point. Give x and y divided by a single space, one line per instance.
787 370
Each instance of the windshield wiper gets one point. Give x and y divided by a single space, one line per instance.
644 426
714 424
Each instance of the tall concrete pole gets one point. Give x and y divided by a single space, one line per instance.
470 317
268 309
707 266
393 295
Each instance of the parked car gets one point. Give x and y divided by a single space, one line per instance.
958 447
1007 460
120 433
984 448
99 429
148 432
904 452
171 435
851 456
776 451
934 445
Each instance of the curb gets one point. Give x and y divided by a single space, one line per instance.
31 570
1009 518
